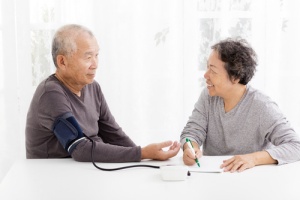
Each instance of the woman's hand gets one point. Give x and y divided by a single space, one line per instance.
189 156
240 163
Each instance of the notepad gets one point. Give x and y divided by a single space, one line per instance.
208 164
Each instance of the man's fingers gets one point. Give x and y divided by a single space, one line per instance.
174 146
164 144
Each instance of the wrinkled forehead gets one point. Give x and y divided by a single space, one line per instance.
214 56
87 41
81 43
214 60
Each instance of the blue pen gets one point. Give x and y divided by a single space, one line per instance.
192 148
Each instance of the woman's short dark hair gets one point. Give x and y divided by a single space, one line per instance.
239 58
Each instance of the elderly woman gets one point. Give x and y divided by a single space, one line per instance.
233 118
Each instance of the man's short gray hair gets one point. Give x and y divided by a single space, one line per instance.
64 40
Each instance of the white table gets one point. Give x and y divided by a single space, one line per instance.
55 179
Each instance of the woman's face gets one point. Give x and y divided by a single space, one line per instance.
217 79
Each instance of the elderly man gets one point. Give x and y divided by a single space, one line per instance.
68 109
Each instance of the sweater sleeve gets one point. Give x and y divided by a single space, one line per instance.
109 130
111 143
279 132
105 152
196 127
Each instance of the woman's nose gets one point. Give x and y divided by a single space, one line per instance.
206 76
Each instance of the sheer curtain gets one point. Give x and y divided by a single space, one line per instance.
272 27
152 58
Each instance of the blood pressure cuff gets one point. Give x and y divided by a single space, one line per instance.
68 131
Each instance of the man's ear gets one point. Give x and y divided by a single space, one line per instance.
61 61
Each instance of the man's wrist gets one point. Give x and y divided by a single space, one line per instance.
143 153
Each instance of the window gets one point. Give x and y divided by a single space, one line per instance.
152 57
1 76
42 23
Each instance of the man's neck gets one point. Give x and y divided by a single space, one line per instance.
75 89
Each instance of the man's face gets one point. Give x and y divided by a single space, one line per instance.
81 65
217 79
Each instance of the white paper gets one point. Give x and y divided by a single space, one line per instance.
208 164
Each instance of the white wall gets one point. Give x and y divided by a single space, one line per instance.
149 58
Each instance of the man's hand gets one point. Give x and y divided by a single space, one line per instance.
155 151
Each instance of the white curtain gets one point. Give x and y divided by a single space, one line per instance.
152 58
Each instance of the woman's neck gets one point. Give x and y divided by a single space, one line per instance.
234 97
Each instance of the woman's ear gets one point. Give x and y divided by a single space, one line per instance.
235 80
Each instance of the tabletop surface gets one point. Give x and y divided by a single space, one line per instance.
43 179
